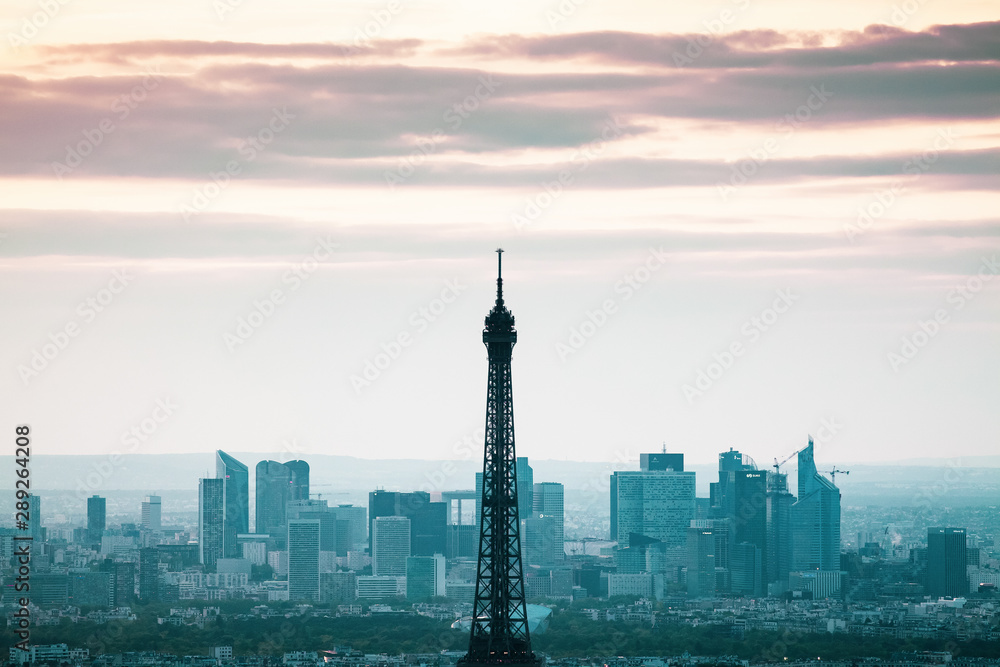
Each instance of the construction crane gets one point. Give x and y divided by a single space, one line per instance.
778 464
833 474
318 495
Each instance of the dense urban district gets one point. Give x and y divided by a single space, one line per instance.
750 574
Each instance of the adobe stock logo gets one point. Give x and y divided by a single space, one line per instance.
87 310
957 298
419 321
752 329
627 287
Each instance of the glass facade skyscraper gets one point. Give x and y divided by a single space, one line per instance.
211 509
236 502
815 518
657 504
303 559
946 562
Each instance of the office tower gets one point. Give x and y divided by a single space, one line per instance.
745 568
499 633
211 510
815 518
254 547
749 526
300 479
947 562
425 577
357 517
548 502
273 491
723 493
149 574
123 584
338 587
48 588
428 520
391 546
525 488
316 510
657 504
778 562
151 516
35 524
538 540
640 555
345 535
236 501
303 559
97 510
701 560
661 461
463 541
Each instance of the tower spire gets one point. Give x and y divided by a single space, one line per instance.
500 277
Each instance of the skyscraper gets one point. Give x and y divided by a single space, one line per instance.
525 488
657 504
499 633
149 574
273 491
425 577
749 527
151 514
815 518
236 501
723 493
428 520
319 511
35 523
211 510
538 540
701 560
946 562
745 568
357 517
303 559
391 546
300 479
779 532
548 502
97 509
123 581
662 461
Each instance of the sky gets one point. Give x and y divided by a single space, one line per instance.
244 225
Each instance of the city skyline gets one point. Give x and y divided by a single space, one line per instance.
727 226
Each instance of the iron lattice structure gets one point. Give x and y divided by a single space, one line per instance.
499 634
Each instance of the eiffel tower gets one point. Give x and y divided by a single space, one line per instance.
499 634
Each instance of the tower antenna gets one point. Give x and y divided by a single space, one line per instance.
500 276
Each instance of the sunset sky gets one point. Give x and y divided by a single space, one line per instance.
244 224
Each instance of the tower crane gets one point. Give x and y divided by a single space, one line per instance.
833 474
777 464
